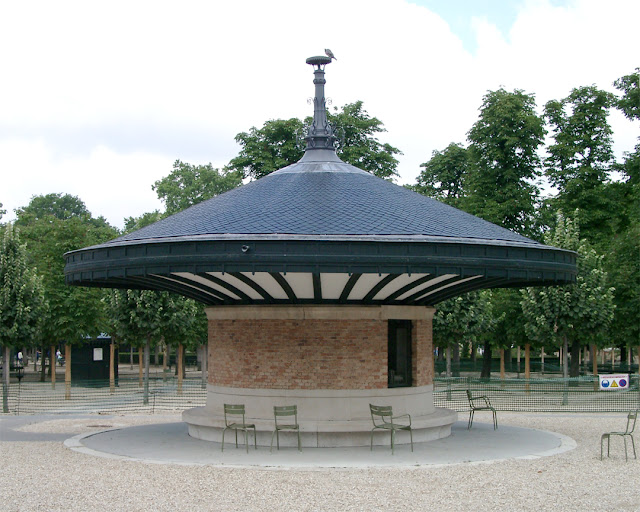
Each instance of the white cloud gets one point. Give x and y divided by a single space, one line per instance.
101 98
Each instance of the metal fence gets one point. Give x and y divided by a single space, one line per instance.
165 394
581 394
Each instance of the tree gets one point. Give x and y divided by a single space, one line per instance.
2 211
22 303
281 142
74 312
581 157
444 176
358 144
504 142
277 144
463 318
190 184
629 103
572 315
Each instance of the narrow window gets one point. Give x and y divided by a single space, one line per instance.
399 353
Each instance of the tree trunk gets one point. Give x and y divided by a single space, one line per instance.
486 361
575 359
43 366
518 359
5 378
448 357
147 354
542 361
67 371
164 355
140 367
473 353
157 355
502 373
52 365
112 366
205 364
180 365
527 361
131 356
594 362
565 357
456 360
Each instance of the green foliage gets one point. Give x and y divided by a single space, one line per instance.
629 103
581 157
444 176
463 318
138 315
581 312
281 142
504 143
74 312
277 144
22 302
358 144
2 211
190 184
134 223
59 206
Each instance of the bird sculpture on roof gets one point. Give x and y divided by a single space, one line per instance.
329 54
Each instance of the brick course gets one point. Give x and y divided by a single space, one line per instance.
310 353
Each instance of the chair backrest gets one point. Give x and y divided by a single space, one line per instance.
632 418
233 410
285 410
381 414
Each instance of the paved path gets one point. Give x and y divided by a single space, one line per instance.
169 443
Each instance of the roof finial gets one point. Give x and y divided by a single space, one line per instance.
320 135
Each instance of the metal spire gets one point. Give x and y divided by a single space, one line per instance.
320 135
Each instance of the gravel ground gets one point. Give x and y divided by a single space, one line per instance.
46 476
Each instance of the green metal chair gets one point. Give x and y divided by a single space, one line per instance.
285 411
632 418
232 424
383 418
480 403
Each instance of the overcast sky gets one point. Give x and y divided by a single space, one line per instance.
98 99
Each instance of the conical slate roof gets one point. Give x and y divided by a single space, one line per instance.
320 231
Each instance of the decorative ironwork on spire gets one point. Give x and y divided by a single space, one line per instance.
320 135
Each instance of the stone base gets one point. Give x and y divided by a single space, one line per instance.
327 418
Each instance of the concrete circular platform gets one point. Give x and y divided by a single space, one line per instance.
170 443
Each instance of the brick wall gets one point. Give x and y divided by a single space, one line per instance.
310 354
294 354
422 348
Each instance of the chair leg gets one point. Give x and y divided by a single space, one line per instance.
299 443
626 457
470 419
411 437
223 439
246 439
255 439
371 440
495 421
633 444
273 434
392 440
601 446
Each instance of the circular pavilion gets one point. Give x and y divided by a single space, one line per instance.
320 281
